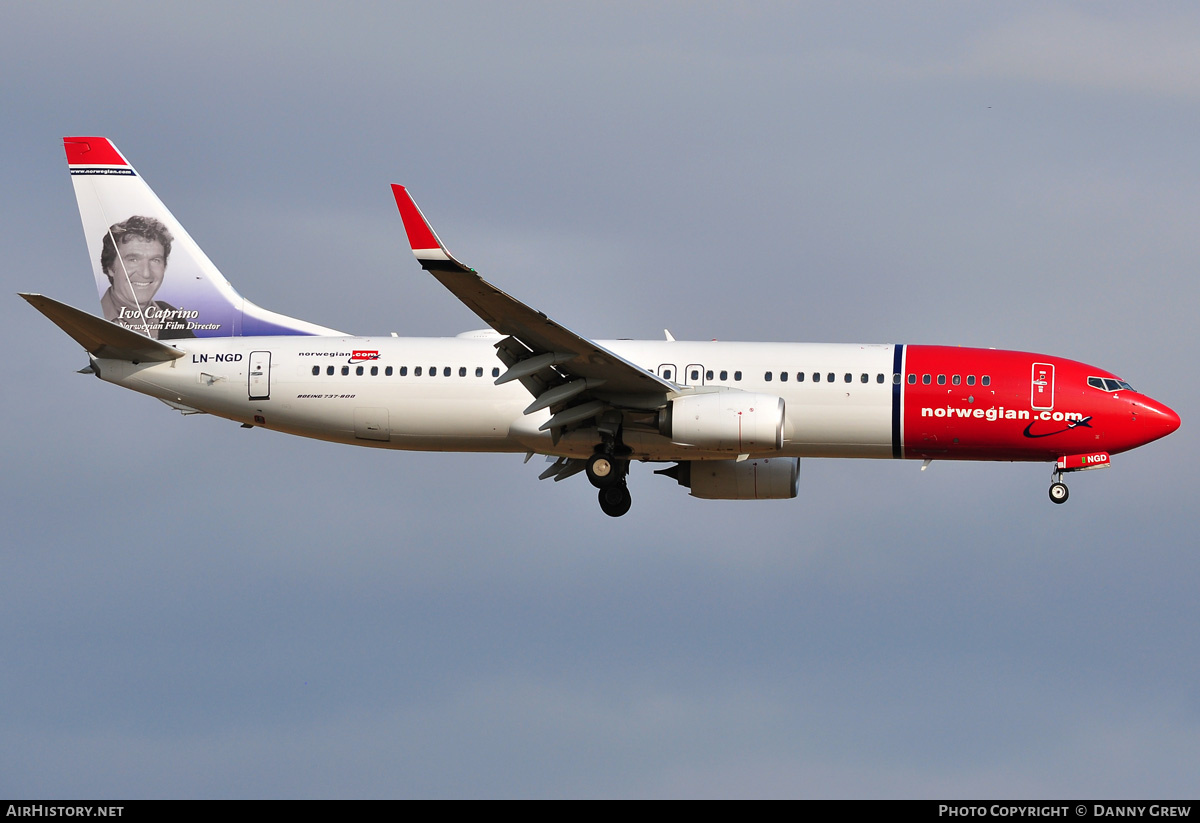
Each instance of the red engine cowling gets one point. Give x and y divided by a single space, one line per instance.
768 478
733 421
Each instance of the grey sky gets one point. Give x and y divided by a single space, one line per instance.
190 609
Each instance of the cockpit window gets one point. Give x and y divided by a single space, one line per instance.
1109 384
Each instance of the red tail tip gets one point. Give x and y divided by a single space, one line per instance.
93 151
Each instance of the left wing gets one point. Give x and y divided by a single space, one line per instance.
574 377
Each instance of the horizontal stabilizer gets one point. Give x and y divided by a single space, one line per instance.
100 337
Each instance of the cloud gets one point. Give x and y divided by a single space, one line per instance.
1135 53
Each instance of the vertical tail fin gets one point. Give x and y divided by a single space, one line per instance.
151 275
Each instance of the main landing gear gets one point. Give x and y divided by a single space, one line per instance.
604 470
607 473
615 500
1058 489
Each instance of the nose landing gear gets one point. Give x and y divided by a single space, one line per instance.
1058 489
1074 463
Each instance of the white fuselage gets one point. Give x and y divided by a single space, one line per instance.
438 394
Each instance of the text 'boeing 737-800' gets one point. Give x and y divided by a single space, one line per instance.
732 419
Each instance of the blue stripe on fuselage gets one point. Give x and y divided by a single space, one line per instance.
897 365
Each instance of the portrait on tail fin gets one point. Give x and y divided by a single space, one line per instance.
134 256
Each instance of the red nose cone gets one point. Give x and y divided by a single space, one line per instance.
1160 420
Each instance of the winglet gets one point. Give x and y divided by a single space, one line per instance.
426 246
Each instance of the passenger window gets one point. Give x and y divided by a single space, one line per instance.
462 371
479 371
496 371
667 374
767 377
708 375
417 371
941 379
724 375
345 370
829 378
446 371
926 379
374 371
956 379
358 371
985 380
799 377
866 378
816 377
329 371
970 380
912 380
895 379
388 371
316 370
737 376
849 377
404 371
783 377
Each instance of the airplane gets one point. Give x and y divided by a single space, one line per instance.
731 419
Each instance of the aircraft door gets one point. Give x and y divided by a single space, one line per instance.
1042 388
693 375
260 375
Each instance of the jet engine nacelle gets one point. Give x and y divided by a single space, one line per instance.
733 421
768 478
